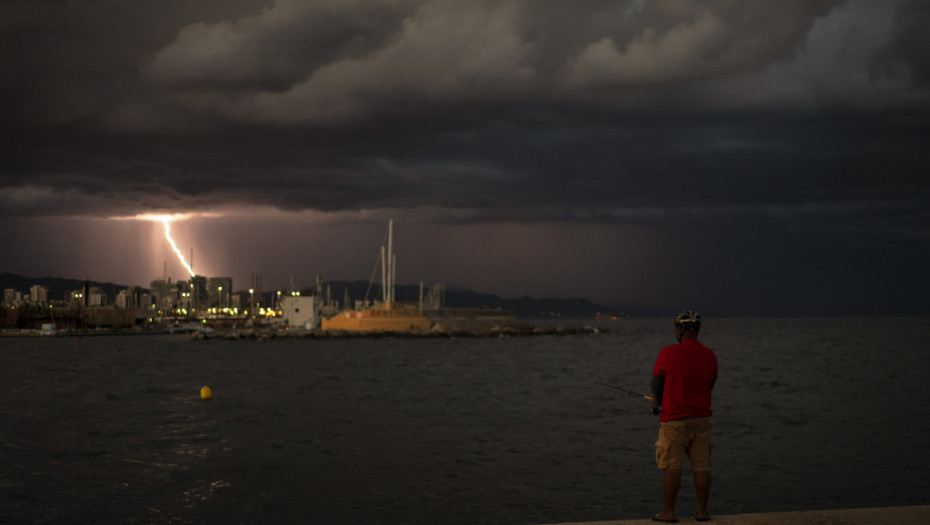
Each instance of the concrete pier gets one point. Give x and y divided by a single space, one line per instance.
866 516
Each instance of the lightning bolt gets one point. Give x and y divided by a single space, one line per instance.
174 246
166 220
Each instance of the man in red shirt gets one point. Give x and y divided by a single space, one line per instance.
682 380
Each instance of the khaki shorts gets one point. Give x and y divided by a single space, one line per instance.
684 437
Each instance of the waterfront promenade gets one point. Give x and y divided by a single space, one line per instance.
864 516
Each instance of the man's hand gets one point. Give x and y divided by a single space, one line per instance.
656 410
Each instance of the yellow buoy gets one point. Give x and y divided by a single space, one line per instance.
206 394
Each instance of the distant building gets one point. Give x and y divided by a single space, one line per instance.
9 297
38 295
164 295
301 312
219 292
87 296
199 294
185 295
76 297
159 288
129 298
96 296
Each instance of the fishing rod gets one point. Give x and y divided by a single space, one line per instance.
630 392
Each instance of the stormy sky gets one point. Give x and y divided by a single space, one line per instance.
746 158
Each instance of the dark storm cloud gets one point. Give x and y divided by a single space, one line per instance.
908 45
489 106
297 65
802 119
278 48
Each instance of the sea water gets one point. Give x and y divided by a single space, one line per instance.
808 414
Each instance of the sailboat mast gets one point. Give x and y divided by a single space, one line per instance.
390 260
384 293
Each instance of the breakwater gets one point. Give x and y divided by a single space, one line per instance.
270 333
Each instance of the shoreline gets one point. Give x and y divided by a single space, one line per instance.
270 333
858 516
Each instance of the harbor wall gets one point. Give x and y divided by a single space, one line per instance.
862 516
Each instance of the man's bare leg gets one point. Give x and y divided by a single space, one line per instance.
672 484
702 487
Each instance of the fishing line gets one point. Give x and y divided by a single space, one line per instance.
630 392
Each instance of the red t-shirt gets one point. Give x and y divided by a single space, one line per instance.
690 369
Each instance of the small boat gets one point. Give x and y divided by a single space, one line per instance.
203 332
381 317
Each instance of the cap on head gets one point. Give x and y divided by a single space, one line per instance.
688 319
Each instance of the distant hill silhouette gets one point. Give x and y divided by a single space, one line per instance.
456 298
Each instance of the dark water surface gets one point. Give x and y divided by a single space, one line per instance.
811 413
